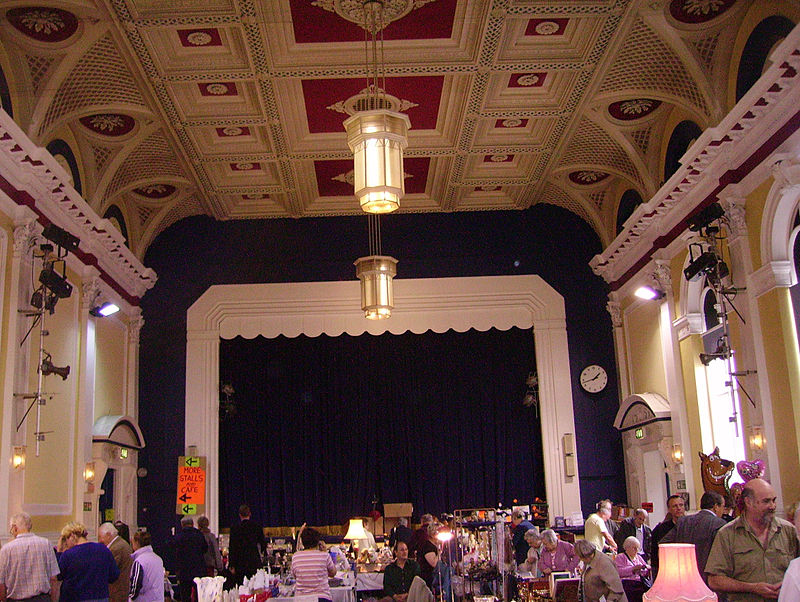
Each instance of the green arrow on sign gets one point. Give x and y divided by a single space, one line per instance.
192 461
189 509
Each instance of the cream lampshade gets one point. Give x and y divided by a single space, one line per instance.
678 579
356 530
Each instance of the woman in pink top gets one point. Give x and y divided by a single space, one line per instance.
311 567
630 563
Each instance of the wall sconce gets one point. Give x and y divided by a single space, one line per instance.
88 472
757 437
18 457
677 454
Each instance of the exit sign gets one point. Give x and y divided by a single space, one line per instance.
639 433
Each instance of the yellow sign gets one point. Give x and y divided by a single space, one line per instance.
191 494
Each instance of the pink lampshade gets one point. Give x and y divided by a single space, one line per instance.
678 579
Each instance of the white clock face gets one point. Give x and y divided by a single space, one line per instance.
594 378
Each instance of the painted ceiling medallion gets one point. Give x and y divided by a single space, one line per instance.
218 89
546 27
194 38
255 196
587 177
635 108
511 122
487 188
155 191
353 10
526 80
698 11
233 130
245 166
43 24
498 158
109 124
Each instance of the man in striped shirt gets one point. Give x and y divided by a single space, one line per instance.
28 566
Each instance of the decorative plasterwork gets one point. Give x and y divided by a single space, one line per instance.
642 409
721 156
41 183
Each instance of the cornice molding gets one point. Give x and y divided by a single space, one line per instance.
722 156
31 177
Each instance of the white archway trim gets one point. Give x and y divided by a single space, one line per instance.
777 242
641 409
333 308
118 430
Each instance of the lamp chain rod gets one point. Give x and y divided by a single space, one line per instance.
374 224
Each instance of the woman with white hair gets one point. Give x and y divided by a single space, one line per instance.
557 555
630 564
531 564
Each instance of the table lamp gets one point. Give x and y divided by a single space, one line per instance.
355 532
678 579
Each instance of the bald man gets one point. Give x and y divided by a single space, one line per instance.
751 553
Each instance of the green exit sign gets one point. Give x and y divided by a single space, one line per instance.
639 433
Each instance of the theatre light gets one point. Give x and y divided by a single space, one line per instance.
104 310
649 293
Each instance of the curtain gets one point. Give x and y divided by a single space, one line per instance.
325 427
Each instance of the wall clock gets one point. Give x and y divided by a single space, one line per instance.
594 378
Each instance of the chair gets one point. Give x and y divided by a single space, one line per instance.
568 536
419 591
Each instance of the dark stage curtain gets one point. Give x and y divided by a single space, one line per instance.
324 425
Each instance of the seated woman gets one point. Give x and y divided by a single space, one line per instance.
531 564
556 555
600 580
630 564
311 567
397 577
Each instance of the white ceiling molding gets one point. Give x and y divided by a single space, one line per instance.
33 171
770 105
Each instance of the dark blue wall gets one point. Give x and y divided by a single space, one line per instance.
198 252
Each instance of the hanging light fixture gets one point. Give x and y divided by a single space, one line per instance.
376 134
375 271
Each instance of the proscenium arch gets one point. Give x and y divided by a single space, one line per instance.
333 308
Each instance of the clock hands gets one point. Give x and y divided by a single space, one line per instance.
591 379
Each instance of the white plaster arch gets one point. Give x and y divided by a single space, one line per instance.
777 240
333 308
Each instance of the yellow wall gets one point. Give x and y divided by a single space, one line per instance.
42 484
773 307
690 349
646 359
109 394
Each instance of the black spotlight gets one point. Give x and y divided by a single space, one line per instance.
704 264
705 217
61 237
721 351
47 368
56 283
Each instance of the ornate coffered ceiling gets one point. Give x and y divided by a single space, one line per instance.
234 108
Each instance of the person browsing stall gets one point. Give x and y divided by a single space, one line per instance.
557 555
311 567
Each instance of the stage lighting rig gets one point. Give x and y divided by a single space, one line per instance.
722 351
47 368
703 220
707 263
63 239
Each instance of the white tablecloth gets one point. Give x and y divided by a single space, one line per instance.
339 594
369 581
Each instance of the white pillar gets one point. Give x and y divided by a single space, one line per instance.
90 288
555 403
14 481
202 411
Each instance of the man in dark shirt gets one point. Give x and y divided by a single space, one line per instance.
397 577
676 509
400 532
190 546
246 546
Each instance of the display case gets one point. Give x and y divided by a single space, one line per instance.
482 552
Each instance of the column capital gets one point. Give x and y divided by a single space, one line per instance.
135 327
663 274
90 291
615 310
22 237
735 210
